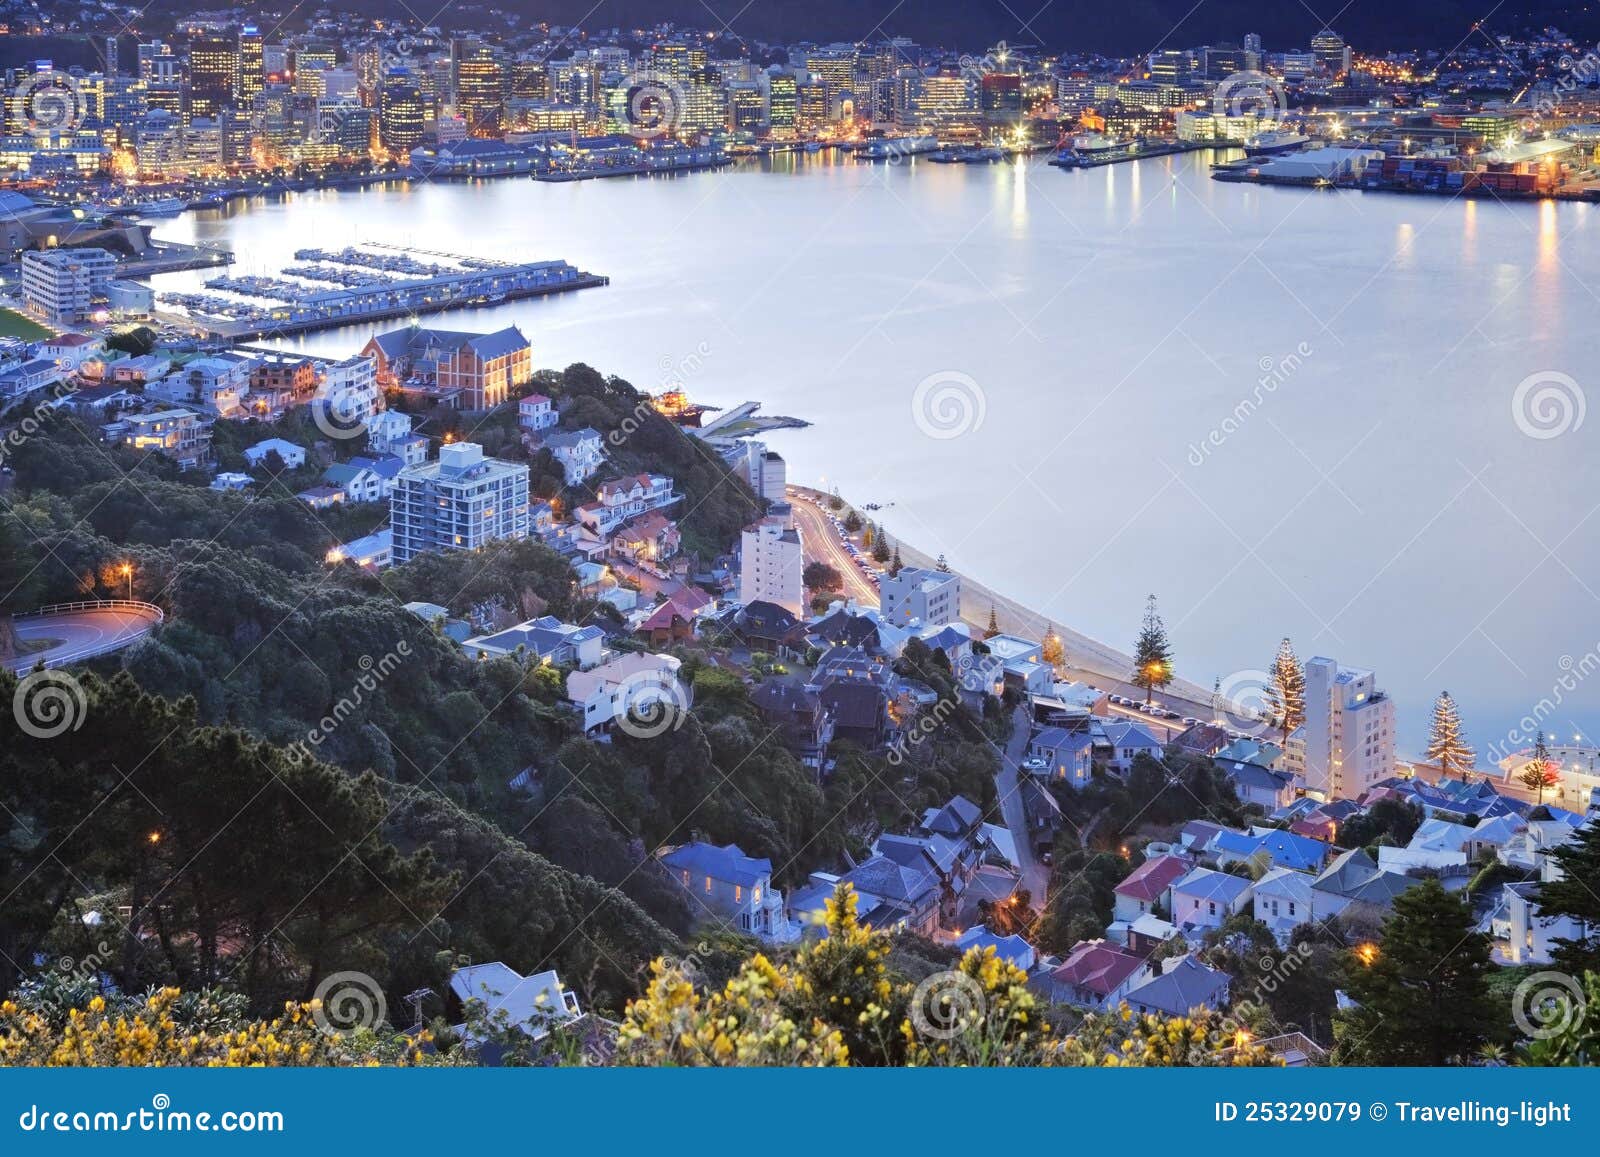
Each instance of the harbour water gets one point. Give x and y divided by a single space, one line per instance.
1356 420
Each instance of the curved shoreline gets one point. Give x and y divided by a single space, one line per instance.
1087 658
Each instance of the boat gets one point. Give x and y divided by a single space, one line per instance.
985 156
813 146
1270 144
892 148
166 207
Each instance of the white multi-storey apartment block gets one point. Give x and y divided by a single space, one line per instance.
772 562
931 597
461 502
1349 731
59 285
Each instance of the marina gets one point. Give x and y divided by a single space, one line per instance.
393 283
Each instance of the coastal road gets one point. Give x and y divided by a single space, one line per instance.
823 544
80 634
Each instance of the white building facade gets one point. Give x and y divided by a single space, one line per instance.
461 502
1349 731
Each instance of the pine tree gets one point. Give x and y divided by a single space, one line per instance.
1050 649
895 565
1422 994
1288 690
1447 746
1152 654
942 565
880 548
1540 773
993 628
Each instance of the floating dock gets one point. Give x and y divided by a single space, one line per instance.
381 290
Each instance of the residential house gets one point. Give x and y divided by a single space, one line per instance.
1061 754
71 351
228 480
767 626
373 551
1023 664
1182 985
322 497
1096 975
1148 888
1354 882
499 997
386 466
1522 934
542 640
28 377
857 711
1283 901
648 539
1126 740
627 683
181 435
291 455
359 483
619 499
734 888
580 452
389 432
1014 950
1259 785
1265 847
803 727
536 412
667 625
1205 899
1202 739
1042 811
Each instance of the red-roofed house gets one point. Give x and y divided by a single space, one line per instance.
1317 826
648 538
1095 975
1149 887
667 624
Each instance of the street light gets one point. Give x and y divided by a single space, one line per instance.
126 571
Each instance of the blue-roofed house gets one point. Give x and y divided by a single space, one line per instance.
1283 901
1128 740
543 640
1062 755
1269 847
730 887
1183 985
1012 949
1205 899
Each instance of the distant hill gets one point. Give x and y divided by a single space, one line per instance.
1119 26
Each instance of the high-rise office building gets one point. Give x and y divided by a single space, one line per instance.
213 69
781 104
772 561
252 66
402 113
479 83
1332 53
